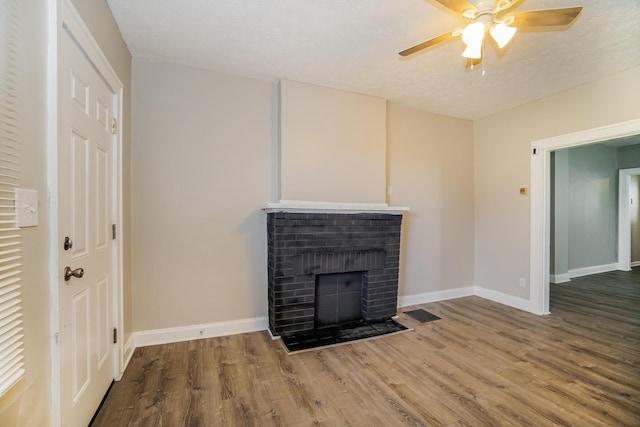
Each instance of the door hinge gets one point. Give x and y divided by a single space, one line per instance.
56 337
115 335
114 126
113 231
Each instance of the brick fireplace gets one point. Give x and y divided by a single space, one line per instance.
308 247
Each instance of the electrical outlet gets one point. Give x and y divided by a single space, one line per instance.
523 282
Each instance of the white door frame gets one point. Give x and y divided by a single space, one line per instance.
540 200
624 220
63 17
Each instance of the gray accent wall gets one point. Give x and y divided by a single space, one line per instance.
593 198
629 156
584 204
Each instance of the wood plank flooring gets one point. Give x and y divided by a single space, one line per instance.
482 364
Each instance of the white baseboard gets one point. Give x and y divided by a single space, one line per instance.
635 264
505 299
586 271
408 300
210 330
194 332
129 348
559 278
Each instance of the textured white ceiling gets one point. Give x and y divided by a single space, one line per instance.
353 45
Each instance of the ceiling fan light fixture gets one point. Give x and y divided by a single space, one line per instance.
473 51
502 34
496 18
472 36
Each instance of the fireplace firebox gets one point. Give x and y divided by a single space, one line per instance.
338 298
329 268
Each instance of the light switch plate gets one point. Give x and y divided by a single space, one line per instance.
26 207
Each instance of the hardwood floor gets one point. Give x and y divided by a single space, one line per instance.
482 364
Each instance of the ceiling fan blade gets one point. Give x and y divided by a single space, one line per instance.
502 6
440 39
546 18
457 5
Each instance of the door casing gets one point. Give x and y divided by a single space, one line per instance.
541 202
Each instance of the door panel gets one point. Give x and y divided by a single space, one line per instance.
102 321
102 198
79 194
81 344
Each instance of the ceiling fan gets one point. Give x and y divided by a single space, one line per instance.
495 18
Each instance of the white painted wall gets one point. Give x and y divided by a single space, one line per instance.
202 166
430 169
332 145
502 165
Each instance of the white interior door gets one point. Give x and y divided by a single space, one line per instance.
86 212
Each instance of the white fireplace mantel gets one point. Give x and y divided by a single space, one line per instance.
300 206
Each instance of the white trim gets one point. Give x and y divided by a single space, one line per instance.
624 218
129 348
273 337
301 206
635 264
587 271
55 417
71 19
540 206
256 324
194 332
409 300
502 298
559 278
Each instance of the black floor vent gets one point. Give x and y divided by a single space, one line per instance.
422 316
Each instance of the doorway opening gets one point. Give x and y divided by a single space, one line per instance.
540 200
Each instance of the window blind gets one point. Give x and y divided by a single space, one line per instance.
11 328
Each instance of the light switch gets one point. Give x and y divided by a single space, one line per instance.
26 207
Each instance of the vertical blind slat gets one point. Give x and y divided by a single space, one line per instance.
11 324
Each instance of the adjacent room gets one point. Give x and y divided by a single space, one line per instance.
392 212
